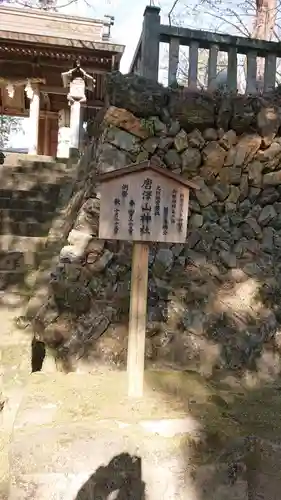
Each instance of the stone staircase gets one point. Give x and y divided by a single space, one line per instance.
31 197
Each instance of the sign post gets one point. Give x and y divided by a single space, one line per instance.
137 319
142 203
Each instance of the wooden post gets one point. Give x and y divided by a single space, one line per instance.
46 148
75 118
137 320
34 111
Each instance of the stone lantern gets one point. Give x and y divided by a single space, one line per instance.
77 80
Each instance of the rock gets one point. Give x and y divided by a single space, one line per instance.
204 195
172 159
142 156
276 223
72 296
196 139
267 214
224 113
219 232
121 118
70 253
95 246
193 238
209 214
165 143
142 97
230 157
163 262
255 230
79 239
174 128
221 190
193 321
213 157
151 144
267 239
103 261
210 134
277 207
228 259
268 196
196 258
111 158
272 178
246 149
243 113
270 153
191 160
192 109
230 207
181 141
196 221
255 173
254 193
158 126
230 175
228 139
234 195
123 140
194 205
268 121
244 187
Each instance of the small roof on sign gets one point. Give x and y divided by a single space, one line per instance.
153 165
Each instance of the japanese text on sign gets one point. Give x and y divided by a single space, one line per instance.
145 207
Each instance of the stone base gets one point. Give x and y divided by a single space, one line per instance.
80 437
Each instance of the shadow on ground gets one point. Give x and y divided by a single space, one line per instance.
121 479
220 334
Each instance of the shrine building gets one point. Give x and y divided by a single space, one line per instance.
36 49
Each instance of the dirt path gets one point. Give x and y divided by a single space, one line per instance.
14 369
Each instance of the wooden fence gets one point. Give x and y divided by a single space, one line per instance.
146 57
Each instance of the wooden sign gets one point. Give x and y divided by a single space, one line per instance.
144 203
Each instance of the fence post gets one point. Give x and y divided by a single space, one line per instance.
150 43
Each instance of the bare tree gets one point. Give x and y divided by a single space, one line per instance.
8 125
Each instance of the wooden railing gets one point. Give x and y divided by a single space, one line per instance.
146 57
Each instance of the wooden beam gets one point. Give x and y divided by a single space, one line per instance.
224 41
49 89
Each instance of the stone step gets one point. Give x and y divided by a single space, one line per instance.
47 194
22 260
27 204
44 174
34 187
31 229
27 183
12 159
25 244
12 279
26 215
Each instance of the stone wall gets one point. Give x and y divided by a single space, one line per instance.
214 302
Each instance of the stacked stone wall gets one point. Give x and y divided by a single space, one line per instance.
214 302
